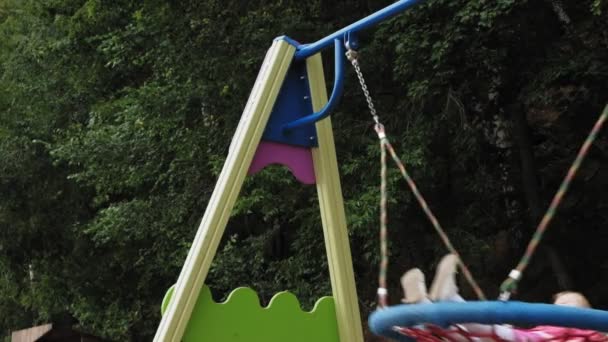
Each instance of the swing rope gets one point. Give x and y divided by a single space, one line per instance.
384 146
510 284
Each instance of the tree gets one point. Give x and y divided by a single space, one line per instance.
116 119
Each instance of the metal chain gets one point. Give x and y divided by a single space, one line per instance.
352 56
386 146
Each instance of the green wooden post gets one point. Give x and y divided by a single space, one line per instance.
242 149
332 213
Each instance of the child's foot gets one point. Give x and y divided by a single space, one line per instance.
444 285
414 287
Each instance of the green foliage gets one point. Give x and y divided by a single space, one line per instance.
116 119
598 7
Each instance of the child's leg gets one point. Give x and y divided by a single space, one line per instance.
414 287
444 288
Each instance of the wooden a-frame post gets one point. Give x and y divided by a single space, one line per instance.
242 149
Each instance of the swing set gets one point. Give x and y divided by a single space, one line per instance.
286 121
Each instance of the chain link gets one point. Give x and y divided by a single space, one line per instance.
352 57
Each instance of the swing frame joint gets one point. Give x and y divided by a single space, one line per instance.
336 93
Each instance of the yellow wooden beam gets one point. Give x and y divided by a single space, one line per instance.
242 149
332 214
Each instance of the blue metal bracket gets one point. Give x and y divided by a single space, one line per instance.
351 41
293 102
336 93
292 118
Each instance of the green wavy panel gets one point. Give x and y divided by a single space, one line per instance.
241 318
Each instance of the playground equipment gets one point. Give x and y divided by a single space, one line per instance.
286 121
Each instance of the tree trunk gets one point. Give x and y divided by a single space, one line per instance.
527 164
529 180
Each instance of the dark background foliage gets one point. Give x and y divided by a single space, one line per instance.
116 116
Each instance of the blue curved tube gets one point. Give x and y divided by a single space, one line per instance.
382 321
336 93
371 20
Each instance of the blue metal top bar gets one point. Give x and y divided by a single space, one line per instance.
373 19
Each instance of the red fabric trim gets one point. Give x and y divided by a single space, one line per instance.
433 333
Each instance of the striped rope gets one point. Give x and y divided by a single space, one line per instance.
510 284
386 145
382 292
